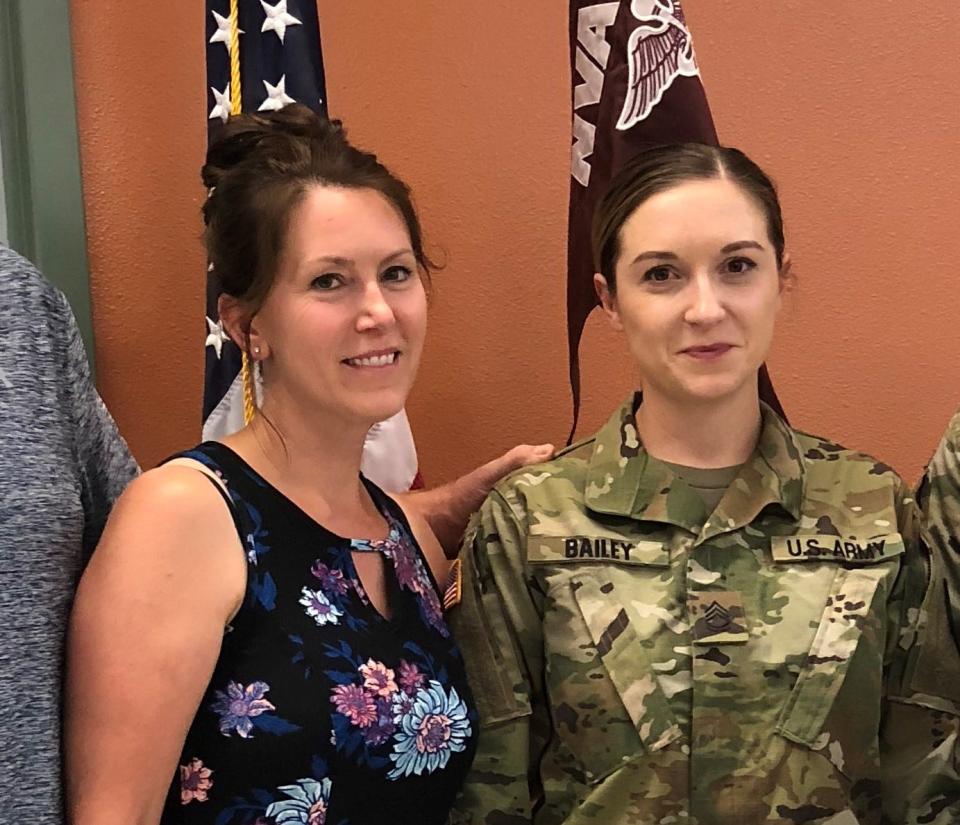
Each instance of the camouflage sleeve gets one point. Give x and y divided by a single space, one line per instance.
919 735
939 500
497 626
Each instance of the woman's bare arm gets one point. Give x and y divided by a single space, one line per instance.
144 637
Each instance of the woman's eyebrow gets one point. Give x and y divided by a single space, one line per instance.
738 245
653 254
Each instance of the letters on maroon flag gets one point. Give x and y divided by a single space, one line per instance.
635 84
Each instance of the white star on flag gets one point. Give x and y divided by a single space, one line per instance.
277 96
216 337
224 106
222 34
277 18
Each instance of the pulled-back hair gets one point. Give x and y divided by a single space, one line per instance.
259 170
663 167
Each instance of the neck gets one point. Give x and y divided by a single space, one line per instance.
717 434
299 452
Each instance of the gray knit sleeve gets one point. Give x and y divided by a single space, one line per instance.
104 463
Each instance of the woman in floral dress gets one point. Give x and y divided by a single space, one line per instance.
259 637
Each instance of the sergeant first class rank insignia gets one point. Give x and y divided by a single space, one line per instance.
717 617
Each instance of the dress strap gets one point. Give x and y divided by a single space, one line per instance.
212 471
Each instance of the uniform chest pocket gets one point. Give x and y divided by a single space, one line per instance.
608 706
848 624
491 659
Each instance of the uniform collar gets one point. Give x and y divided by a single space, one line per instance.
624 480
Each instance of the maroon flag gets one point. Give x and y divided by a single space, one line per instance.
635 84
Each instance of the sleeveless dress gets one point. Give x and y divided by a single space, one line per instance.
320 710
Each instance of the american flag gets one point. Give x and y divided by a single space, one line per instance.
260 57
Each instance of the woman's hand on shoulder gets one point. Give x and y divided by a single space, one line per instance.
448 508
144 637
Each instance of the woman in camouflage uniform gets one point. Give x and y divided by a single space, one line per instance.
701 615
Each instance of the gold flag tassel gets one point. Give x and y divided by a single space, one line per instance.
236 106
236 97
249 390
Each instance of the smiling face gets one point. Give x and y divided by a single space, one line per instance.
697 291
342 328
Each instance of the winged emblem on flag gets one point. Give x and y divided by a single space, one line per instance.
659 50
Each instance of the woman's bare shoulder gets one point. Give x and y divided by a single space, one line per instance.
172 522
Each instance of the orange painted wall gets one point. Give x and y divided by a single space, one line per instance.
141 116
855 113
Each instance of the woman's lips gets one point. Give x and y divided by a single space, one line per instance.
710 352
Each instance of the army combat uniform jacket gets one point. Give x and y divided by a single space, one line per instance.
938 670
637 659
939 499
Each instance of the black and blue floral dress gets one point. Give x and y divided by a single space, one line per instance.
320 710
